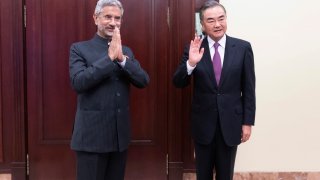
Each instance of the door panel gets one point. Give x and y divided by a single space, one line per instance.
145 31
52 25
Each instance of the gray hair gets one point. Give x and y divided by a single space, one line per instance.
103 3
210 4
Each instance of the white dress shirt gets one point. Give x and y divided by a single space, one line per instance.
221 49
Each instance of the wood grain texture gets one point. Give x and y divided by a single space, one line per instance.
12 99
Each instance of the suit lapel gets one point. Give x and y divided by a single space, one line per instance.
230 51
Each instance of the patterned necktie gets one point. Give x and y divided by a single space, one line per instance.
216 61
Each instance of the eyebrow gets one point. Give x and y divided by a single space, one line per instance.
211 18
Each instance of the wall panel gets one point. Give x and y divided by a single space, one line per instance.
12 99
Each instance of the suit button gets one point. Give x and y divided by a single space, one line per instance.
218 94
118 94
119 110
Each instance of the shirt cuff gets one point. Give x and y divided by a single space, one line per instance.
122 63
190 68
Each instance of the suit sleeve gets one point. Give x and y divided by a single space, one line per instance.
137 76
248 84
84 76
181 78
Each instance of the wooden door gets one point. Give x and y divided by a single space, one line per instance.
52 25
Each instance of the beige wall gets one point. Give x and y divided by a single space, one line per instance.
286 43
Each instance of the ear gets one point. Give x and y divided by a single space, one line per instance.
95 18
201 24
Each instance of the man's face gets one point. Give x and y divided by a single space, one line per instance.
106 21
214 23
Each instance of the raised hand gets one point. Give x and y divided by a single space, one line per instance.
195 53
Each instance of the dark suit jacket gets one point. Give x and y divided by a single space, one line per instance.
102 117
233 101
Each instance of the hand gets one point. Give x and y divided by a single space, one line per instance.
115 48
195 53
246 133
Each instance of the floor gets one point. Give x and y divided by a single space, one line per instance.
267 176
5 176
247 176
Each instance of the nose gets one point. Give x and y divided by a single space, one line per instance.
112 21
217 24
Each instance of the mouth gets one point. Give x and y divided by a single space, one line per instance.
110 29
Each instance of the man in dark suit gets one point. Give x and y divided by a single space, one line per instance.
223 105
101 71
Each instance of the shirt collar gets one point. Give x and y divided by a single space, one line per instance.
101 40
222 41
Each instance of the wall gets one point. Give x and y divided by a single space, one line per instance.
285 40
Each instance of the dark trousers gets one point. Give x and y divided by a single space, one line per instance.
101 166
215 156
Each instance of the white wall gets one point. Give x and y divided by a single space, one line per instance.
286 44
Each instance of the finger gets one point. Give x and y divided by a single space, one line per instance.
201 51
118 33
113 41
200 41
116 30
195 35
243 139
117 36
112 50
196 39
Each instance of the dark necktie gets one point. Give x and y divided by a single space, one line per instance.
216 60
